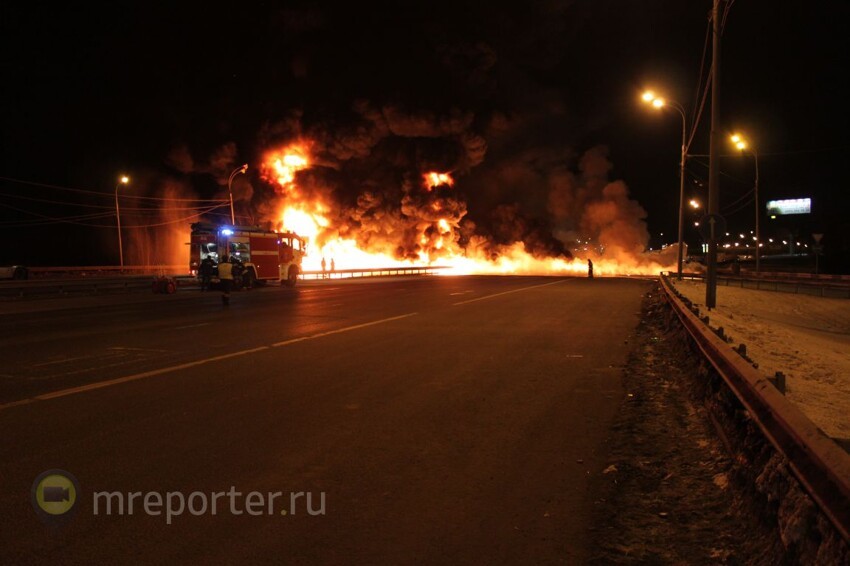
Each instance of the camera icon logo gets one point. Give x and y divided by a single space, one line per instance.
54 494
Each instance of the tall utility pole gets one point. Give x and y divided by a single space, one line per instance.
713 163
758 236
659 102
682 199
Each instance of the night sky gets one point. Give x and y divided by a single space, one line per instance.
180 95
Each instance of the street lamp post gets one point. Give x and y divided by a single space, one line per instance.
742 144
123 180
657 102
713 162
230 190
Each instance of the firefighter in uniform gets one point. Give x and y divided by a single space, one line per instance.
205 270
225 276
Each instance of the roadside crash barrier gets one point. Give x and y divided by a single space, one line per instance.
820 466
835 286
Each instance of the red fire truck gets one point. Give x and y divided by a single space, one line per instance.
264 255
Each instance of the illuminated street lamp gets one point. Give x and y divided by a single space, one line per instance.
230 191
123 180
741 143
650 97
694 204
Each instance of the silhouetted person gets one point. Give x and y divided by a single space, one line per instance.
590 269
225 277
237 270
324 268
333 265
205 271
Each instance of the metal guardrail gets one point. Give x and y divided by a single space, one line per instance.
153 270
62 287
797 275
67 281
372 272
820 465
105 271
835 286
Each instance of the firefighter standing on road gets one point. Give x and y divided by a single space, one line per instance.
205 271
590 269
225 276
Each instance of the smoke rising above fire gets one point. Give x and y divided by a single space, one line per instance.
440 142
397 186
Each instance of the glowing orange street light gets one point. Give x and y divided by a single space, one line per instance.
741 143
230 190
123 180
649 97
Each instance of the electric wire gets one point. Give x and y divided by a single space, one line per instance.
79 220
701 75
50 219
110 195
77 204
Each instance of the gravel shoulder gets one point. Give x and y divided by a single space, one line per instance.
670 493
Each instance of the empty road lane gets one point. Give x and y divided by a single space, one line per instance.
426 420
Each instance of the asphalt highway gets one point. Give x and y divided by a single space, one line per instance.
427 420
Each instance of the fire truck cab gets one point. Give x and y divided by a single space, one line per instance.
264 255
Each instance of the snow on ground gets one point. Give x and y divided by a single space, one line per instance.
805 337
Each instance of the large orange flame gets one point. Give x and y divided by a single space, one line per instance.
309 217
434 179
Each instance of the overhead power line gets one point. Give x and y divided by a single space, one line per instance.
99 206
82 219
110 195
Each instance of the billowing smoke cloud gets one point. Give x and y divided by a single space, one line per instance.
587 206
157 209
484 102
155 219
368 174
617 223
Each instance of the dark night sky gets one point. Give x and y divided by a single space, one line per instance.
92 91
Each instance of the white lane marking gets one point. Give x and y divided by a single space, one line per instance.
461 293
339 330
509 292
192 325
86 370
63 360
125 379
111 354
122 348
134 377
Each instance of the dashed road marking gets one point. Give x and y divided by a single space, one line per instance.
509 292
192 325
187 365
